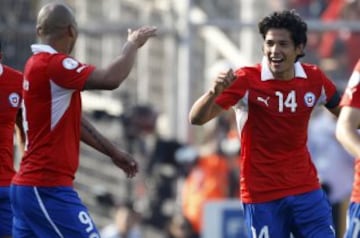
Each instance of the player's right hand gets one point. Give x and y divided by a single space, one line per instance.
141 35
223 81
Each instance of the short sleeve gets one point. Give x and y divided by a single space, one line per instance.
230 96
351 96
67 72
332 98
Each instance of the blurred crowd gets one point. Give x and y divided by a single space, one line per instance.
334 51
166 198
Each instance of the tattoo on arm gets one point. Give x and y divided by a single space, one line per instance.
97 138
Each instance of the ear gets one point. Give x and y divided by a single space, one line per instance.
38 31
300 49
72 31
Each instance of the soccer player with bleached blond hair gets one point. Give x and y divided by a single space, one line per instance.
43 199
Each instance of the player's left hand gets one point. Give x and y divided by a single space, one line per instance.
141 35
126 162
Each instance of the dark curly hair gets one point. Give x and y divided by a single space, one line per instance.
289 20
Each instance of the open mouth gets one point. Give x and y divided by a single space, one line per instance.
276 60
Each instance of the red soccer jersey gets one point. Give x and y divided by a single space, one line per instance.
52 117
273 117
10 98
351 98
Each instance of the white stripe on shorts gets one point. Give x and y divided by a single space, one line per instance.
46 214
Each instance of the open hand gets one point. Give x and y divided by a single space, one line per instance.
141 35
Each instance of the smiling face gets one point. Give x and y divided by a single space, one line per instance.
281 53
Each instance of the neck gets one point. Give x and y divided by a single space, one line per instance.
285 76
60 45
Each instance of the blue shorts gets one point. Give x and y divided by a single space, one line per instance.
353 221
305 215
50 212
6 215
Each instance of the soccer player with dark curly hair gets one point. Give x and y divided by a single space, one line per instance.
273 101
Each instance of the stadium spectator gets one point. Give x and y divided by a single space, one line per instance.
126 223
348 135
209 173
308 8
10 120
156 184
230 148
206 181
176 227
54 125
350 38
345 38
273 101
331 13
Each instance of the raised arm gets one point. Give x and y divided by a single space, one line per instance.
112 76
205 108
93 138
347 130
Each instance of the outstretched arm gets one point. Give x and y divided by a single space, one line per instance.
112 76
346 130
205 108
93 138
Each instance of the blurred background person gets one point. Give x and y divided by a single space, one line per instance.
211 174
126 223
176 228
154 190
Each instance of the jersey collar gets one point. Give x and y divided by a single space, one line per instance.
39 48
267 75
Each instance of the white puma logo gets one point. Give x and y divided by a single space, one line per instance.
265 101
